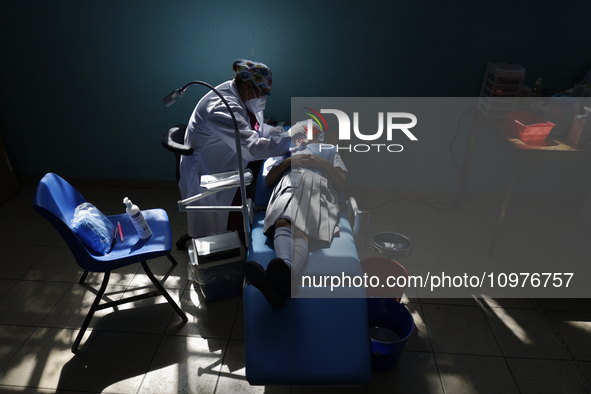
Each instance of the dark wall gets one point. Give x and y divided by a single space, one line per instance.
83 81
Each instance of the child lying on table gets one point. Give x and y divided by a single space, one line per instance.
303 205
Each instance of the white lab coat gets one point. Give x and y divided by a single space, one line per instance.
210 132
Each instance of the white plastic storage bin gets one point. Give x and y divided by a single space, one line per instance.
216 265
501 89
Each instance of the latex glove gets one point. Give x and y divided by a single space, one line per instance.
277 129
296 132
266 130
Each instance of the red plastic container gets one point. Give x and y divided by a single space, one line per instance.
527 126
383 268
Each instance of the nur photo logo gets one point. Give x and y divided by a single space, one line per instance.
388 122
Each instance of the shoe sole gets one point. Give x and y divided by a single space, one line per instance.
257 277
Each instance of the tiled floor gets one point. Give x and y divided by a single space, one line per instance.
463 345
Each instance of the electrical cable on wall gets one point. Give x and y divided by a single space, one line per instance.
464 179
438 204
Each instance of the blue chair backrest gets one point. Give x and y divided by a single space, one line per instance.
56 200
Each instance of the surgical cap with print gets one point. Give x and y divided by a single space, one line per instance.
257 73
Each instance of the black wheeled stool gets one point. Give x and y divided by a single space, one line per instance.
174 141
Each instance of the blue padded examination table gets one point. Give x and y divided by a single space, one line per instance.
314 340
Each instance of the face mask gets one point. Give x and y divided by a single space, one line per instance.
256 104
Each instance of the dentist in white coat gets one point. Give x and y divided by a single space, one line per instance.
210 132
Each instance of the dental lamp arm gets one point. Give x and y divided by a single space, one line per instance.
169 100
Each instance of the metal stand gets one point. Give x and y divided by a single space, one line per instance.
464 180
246 206
552 149
493 240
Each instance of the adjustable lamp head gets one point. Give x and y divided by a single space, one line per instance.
170 99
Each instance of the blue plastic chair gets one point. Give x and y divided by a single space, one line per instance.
56 200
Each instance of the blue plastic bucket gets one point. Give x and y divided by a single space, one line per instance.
390 325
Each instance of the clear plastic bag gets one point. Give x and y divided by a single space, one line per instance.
93 228
206 274
205 271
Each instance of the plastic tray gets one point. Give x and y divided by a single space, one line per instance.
527 126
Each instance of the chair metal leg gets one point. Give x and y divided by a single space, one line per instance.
96 305
93 309
172 259
83 277
159 286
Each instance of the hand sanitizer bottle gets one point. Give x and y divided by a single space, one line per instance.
138 220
